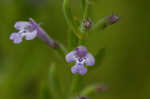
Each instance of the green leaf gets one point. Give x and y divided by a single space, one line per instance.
88 90
54 83
105 22
92 89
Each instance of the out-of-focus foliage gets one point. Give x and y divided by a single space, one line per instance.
125 68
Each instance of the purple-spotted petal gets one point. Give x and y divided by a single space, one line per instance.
21 25
79 69
82 70
75 70
30 36
90 60
70 56
16 37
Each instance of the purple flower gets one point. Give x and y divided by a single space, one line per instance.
26 29
30 30
81 56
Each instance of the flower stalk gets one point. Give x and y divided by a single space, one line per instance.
43 35
47 39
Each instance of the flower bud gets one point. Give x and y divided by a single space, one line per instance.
113 19
87 23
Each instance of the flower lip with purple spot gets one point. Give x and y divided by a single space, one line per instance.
80 56
80 59
25 30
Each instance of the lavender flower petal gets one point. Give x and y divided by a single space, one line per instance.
16 37
81 51
90 60
70 56
82 69
75 70
21 25
30 36
81 56
25 30
79 68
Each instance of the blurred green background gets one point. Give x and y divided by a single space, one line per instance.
125 67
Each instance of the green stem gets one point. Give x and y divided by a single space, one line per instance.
76 85
69 18
61 50
72 40
85 7
68 14
76 79
81 42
